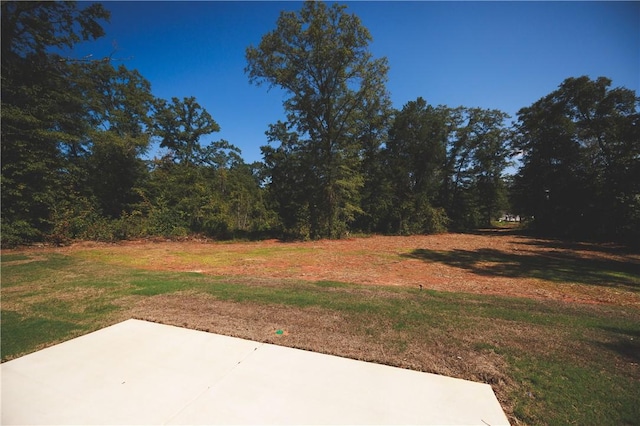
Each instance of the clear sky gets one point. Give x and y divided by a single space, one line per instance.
503 55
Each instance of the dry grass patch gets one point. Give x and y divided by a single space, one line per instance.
553 327
327 331
497 263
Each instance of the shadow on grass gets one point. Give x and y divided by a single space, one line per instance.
605 248
557 266
625 341
629 349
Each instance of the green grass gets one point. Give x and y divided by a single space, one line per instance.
23 334
152 284
331 284
12 257
566 363
557 392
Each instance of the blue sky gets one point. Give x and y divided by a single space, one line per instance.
503 55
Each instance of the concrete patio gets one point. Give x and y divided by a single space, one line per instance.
137 372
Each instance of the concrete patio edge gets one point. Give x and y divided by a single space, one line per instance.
138 372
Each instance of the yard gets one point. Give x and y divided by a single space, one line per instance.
553 326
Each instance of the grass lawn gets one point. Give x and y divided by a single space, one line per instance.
549 361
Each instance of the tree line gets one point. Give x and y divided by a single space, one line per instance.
75 133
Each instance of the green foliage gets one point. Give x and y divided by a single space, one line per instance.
200 199
477 155
74 133
581 161
435 220
180 125
82 220
31 28
319 56
16 232
72 130
414 153
77 219
118 103
39 108
443 169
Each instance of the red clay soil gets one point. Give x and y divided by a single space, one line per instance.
491 262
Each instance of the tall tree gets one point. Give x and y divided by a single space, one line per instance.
288 181
477 154
490 158
39 108
200 188
119 105
319 56
415 154
581 160
180 124
376 191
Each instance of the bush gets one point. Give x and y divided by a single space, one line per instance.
435 220
17 232
166 222
77 219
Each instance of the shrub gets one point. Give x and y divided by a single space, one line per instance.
14 233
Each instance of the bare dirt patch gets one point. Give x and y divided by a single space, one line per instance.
492 262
